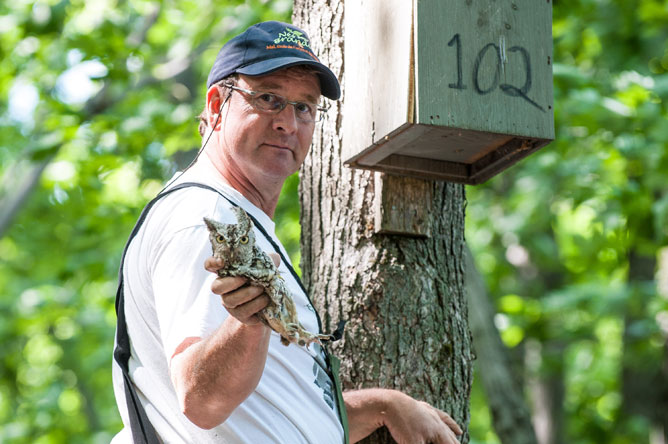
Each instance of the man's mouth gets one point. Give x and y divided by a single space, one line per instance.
278 146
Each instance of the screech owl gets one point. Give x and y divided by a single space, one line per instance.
235 245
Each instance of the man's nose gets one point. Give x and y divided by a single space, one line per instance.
286 119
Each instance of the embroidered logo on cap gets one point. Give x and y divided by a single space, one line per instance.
292 36
292 39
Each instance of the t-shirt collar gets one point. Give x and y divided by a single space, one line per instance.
204 171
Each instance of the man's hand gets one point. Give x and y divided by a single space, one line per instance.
412 421
408 420
241 300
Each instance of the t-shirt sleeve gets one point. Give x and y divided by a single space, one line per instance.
184 303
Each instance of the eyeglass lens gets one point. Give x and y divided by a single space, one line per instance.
275 103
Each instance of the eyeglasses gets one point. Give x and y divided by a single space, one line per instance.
274 104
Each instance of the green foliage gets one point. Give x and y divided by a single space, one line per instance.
287 212
559 235
108 92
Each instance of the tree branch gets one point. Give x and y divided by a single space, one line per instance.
10 204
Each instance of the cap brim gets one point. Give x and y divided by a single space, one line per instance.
329 84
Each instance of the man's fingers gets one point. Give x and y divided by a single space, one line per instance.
213 264
449 437
449 421
245 312
453 437
220 286
449 429
241 296
445 435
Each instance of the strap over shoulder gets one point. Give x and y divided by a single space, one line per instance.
142 430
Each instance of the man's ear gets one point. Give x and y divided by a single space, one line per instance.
214 104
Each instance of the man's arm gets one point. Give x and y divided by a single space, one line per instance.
213 376
407 419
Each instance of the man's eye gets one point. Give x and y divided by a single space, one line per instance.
304 108
266 97
268 100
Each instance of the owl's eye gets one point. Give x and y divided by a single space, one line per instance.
243 239
219 238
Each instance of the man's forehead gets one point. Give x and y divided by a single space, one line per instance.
304 83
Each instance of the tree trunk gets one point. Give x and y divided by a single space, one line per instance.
548 393
644 383
505 397
639 377
662 285
662 413
403 296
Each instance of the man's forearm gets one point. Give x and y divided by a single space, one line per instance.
213 376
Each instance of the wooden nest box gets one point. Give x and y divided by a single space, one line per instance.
455 90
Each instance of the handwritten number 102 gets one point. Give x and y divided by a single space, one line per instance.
506 88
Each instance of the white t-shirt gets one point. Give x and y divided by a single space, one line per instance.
168 298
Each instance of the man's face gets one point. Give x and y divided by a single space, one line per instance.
256 146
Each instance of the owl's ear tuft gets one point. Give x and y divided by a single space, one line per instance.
210 224
245 223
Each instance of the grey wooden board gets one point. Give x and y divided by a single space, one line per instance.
502 80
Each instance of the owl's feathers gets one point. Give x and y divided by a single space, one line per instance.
235 245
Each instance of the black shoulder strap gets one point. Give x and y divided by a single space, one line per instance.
142 430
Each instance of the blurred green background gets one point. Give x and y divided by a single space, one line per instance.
97 110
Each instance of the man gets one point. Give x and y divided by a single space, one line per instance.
203 371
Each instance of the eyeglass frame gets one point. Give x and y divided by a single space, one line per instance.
319 110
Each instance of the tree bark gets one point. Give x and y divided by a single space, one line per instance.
403 296
505 397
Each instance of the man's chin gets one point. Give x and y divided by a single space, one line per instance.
279 170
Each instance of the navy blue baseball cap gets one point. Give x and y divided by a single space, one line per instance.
267 47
